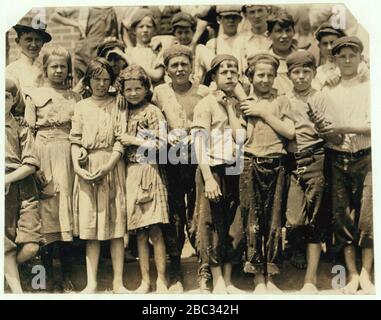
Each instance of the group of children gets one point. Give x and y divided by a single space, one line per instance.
248 156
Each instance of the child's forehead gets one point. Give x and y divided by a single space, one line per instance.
263 65
348 49
228 64
146 20
29 34
302 68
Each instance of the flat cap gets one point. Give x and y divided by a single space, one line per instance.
258 56
346 42
176 50
183 19
228 10
327 29
301 58
140 14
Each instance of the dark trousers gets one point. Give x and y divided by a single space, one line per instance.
352 199
305 217
214 240
262 185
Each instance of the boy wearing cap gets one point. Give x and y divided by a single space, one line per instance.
184 27
27 70
228 40
177 100
215 126
350 163
22 219
263 178
280 27
257 39
305 219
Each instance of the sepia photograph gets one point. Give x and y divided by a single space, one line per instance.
211 149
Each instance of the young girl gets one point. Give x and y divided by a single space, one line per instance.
99 191
147 205
48 111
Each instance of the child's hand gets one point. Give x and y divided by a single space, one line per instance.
332 80
254 108
126 139
100 174
212 190
222 99
6 188
82 31
82 156
84 174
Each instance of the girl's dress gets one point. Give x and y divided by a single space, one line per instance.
147 202
49 112
99 208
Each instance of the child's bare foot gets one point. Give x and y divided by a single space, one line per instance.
309 288
177 287
260 288
271 287
90 288
220 287
353 285
121 290
143 288
366 285
234 290
161 286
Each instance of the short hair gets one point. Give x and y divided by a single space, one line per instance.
134 72
283 18
12 87
95 68
59 51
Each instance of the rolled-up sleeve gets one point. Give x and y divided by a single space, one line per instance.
202 117
28 153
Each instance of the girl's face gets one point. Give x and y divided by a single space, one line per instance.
57 70
145 30
264 76
100 84
9 101
301 78
31 44
282 37
134 91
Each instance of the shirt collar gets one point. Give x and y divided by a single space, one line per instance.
294 47
271 95
227 37
28 60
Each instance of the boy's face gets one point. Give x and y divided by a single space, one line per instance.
165 25
117 63
348 60
257 15
31 44
179 69
226 77
100 84
134 91
230 23
57 70
302 77
145 30
264 76
9 101
184 35
325 45
282 37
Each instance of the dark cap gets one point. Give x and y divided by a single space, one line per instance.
109 44
346 42
228 10
183 19
29 24
139 15
260 56
327 29
301 58
217 60
176 50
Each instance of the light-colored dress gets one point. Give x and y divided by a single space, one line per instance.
49 112
99 209
147 198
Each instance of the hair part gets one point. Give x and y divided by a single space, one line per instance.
59 51
95 68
